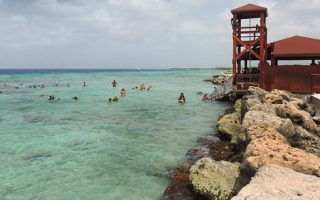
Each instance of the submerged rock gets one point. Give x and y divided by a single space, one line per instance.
197 153
279 183
214 179
223 150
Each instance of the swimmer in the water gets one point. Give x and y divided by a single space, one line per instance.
115 98
142 87
123 92
114 83
84 84
75 98
51 98
149 88
182 98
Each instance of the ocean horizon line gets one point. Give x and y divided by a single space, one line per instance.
167 68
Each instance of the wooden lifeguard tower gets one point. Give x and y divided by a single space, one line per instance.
250 45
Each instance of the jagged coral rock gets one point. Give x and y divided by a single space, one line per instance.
229 128
267 146
214 179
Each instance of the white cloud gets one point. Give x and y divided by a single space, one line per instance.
123 33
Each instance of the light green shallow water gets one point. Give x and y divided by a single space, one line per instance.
90 149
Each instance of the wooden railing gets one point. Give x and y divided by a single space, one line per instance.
243 81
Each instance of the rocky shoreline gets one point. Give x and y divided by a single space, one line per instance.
267 140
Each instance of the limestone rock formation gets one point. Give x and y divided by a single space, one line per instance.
266 108
298 116
267 146
219 79
229 128
279 183
273 98
263 119
214 179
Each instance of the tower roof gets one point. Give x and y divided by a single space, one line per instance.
249 11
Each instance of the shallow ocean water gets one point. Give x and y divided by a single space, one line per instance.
91 149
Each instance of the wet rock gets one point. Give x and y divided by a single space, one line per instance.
267 146
214 179
230 128
180 187
208 139
277 183
197 153
223 150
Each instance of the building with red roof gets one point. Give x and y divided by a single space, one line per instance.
272 70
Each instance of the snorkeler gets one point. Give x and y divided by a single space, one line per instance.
114 83
181 98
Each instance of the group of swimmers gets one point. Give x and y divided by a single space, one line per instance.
142 88
51 98
181 98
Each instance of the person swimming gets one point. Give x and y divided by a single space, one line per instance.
149 88
84 84
115 99
75 98
181 98
114 83
142 87
51 97
123 92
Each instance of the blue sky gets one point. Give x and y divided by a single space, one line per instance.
135 33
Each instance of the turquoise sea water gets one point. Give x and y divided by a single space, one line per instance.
90 149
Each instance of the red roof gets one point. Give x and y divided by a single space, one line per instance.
249 8
297 46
